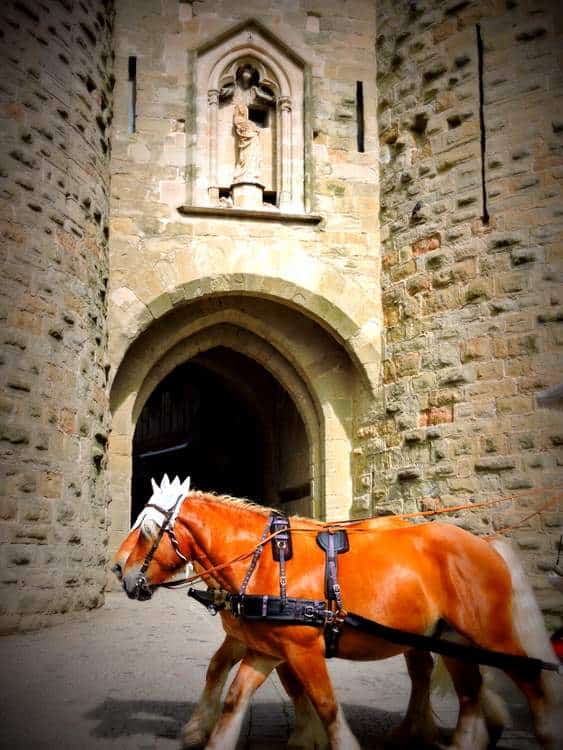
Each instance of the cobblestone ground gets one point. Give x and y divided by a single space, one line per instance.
128 675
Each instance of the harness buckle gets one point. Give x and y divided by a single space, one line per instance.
219 601
309 612
339 617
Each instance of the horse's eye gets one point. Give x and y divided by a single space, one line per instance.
117 570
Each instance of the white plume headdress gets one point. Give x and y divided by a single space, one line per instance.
166 496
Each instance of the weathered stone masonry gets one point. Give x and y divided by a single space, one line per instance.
472 308
55 111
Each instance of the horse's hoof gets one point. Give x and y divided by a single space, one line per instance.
193 737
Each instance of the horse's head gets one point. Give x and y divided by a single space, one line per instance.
150 554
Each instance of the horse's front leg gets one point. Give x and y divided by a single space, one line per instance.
308 733
307 662
253 671
196 732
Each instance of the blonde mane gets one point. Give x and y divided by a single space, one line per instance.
237 502
243 503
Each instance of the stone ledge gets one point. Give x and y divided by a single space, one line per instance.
250 215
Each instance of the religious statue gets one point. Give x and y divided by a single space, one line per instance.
249 157
245 91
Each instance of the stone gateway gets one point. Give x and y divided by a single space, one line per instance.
308 253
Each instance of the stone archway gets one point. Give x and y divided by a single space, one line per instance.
178 344
313 368
349 313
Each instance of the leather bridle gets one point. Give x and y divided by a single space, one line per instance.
142 590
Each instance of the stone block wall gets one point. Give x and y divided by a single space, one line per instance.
55 111
472 303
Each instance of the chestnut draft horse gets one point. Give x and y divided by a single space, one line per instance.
418 726
409 577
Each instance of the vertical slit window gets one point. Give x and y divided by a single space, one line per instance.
480 56
132 95
360 116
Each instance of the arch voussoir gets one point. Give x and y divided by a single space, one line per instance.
317 291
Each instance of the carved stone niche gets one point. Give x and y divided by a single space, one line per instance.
248 145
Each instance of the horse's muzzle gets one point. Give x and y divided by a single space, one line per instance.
137 588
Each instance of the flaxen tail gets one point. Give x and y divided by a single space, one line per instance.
530 629
526 615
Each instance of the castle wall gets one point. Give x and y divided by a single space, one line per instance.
472 307
55 110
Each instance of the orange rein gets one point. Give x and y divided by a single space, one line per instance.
234 561
466 506
418 514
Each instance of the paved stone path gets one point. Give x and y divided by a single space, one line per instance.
128 675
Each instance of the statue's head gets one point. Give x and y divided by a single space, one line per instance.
247 76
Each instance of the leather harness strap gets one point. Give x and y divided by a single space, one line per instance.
254 561
314 613
282 549
263 607
278 524
333 543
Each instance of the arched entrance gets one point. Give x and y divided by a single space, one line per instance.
261 354
225 421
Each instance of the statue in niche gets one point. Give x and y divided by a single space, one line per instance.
246 90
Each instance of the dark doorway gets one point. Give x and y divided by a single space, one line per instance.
227 423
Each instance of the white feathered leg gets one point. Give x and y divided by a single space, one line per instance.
196 732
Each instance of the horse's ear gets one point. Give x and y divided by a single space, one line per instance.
149 528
